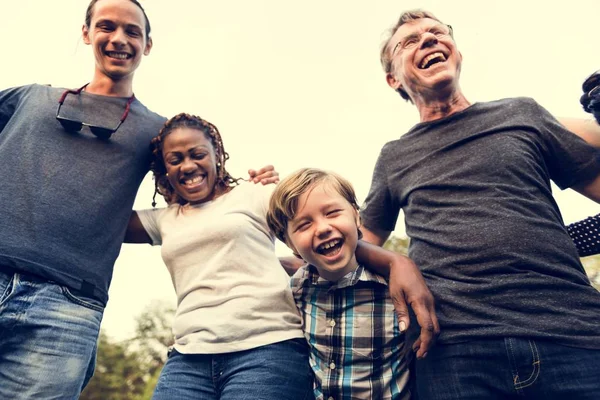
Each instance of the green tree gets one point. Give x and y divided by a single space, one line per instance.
118 375
129 370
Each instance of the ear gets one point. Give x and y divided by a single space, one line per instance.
289 244
357 218
148 46
85 33
392 81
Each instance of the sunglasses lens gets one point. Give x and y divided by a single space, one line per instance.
101 133
70 125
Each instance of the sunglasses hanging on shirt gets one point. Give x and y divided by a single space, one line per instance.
71 125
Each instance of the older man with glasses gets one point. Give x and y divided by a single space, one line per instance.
518 315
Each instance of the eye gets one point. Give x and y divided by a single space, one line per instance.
134 33
334 213
302 226
173 160
199 156
104 27
410 42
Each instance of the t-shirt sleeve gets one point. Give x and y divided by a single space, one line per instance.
9 99
569 159
586 235
380 210
150 221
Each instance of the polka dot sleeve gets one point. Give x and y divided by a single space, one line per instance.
586 235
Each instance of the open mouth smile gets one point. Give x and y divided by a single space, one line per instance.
192 182
119 55
432 59
330 248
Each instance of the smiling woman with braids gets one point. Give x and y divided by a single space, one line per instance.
237 332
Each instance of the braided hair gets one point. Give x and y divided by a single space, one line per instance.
162 185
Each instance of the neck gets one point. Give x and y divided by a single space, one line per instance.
103 85
441 105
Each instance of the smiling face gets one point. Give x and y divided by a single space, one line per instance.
324 231
191 164
424 59
117 34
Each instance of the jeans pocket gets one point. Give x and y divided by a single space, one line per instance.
87 302
7 284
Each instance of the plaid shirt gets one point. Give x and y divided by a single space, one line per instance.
356 348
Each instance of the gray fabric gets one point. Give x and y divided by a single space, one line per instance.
484 227
66 197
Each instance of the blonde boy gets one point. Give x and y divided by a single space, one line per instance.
356 348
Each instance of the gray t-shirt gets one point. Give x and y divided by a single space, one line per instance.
66 197
485 230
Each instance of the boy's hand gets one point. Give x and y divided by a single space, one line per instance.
265 175
407 287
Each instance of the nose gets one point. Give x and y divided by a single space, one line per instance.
322 228
118 37
428 40
187 165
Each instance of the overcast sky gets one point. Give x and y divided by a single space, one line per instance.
299 84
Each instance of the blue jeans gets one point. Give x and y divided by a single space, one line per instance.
48 339
277 371
509 368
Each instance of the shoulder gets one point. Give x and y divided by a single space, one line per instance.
158 214
511 102
141 108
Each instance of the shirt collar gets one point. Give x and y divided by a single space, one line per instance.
360 274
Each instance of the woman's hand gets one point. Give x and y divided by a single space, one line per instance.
265 175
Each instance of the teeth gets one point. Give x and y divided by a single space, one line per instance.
330 244
195 179
120 56
431 57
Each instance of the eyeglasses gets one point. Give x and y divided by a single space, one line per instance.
409 42
71 125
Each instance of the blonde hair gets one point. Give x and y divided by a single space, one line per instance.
284 200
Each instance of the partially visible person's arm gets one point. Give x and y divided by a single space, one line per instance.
291 264
586 235
587 129
374 236
135 231
407 287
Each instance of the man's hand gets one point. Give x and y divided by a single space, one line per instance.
591 95
407 287
265 175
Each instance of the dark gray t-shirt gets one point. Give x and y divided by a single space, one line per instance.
66 197
484 227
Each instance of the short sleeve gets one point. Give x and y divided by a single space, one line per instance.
9 99
586 235
569 159
380 210
150 221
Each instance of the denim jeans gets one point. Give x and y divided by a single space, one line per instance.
277 371
509 368
48 339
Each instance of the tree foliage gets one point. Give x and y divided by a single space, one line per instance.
129 370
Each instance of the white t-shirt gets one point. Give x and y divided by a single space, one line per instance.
232 293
